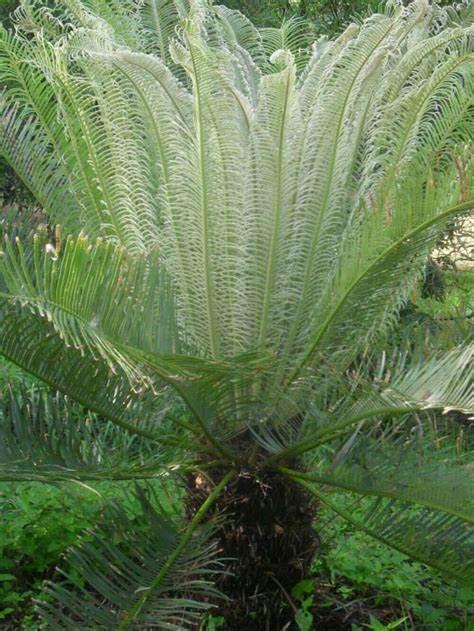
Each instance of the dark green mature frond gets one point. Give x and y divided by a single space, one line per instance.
446 382
63 312
109 292
441 540
442 383
132 573
403 461
46 438
108 333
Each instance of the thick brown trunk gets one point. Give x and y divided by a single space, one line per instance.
269 539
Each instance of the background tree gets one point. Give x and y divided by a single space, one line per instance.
244 222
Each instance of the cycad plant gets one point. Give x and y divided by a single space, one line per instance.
241 222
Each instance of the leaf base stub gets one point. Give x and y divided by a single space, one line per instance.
269 540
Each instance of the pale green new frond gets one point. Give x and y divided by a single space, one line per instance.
125 18
117 19
44 437
323 169
461 13
160 19
32 138
273 162
243 39
132 573
71 131
432 92
353 114
292 36
204 197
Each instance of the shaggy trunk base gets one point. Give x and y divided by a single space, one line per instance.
270 541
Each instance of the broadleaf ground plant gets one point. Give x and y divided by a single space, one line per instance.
240 219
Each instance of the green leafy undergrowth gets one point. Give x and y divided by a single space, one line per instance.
355 580
38 523
370 584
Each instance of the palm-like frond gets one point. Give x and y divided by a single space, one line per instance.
262 215
76 303
109 334
403 461
442 383
438 539
135 572
300 195
46 438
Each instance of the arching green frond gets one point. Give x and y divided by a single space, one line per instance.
101 326
45 437
440 540
403 461
442 383
135 572
62 314
446 382
109 291
390 258
33 344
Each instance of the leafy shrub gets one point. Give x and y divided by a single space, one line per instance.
38 523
